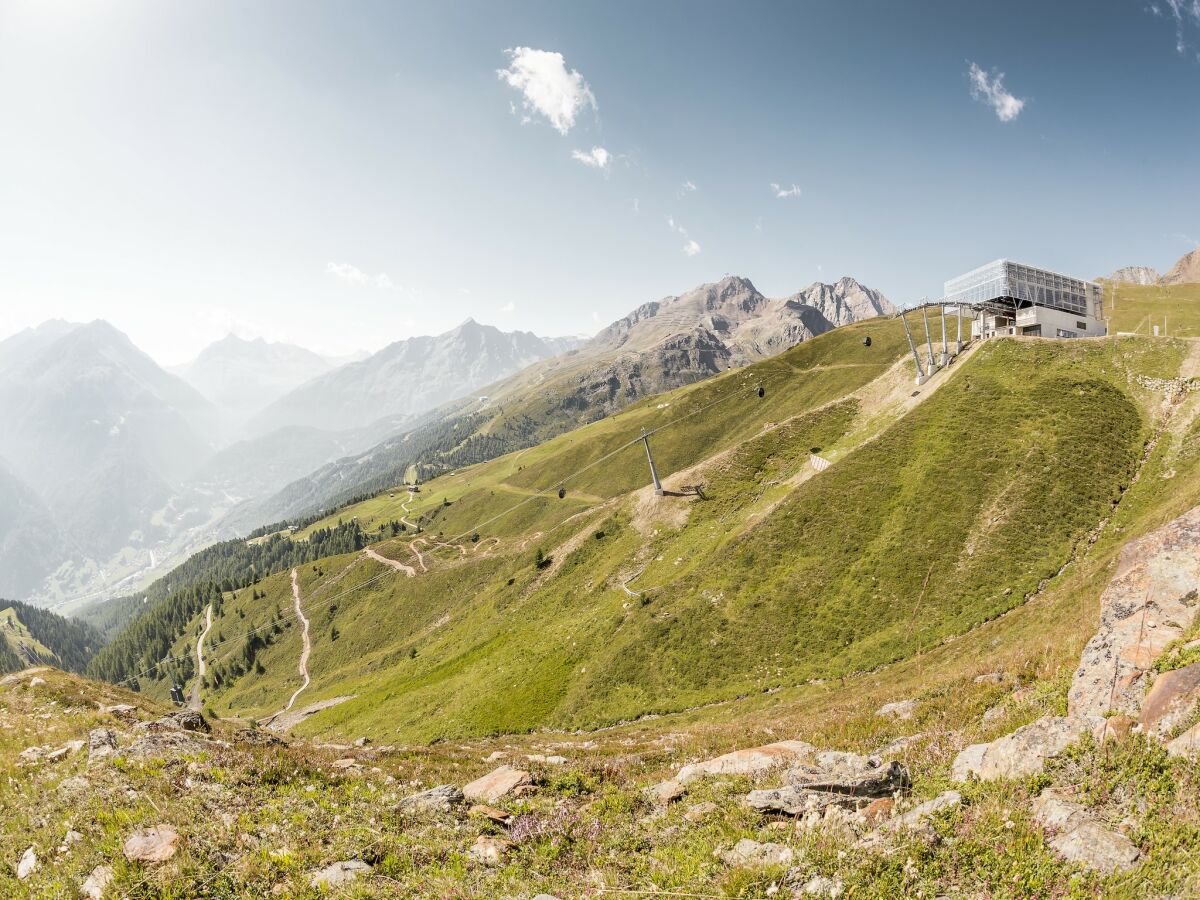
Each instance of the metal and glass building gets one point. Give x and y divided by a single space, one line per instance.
1017 299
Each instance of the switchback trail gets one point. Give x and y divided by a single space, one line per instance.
395 564
200 666
307 648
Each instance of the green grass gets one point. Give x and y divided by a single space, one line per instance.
1175 309
776 577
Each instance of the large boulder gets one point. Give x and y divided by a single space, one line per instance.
1022 753
102 743
496 784
755 761
1150 602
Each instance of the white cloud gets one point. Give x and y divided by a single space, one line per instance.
674 227
599 158
782 192
691 248
686 188
548 86
347 273
1183 13
991 90
508 307
352 274
637 206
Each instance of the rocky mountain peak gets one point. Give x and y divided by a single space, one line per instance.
1135 275
1186 271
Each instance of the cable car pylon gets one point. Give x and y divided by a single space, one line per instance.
658 490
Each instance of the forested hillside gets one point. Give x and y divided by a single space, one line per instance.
33 636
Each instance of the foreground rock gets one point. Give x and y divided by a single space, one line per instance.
755 761
1171 701
1150 602
751 853
1187 744
902 709
496 784
813 789
1022 753
489 851
154 845
102 743
27 865
338 873
97 883
1079 838
442 799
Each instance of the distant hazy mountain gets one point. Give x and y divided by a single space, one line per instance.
1186 271
405 378
241 377
1135 275
31 546
96 429
660 345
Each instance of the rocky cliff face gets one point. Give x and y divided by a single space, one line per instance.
845 301
1135 275
1186 271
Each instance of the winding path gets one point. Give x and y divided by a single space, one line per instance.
307 649
395 564
201 668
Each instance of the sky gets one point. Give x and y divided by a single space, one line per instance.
345 175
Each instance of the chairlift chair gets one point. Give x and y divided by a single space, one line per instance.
762 392
562 492
867 341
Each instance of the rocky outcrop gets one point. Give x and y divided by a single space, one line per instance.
1150 602
1186 271
1135 275
489 851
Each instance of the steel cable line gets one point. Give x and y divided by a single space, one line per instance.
538 494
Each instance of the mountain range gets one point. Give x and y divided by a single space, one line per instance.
1185 271
114 468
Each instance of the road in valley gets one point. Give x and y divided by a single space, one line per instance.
201 668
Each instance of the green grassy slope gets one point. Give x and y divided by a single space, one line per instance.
1175 309
948 517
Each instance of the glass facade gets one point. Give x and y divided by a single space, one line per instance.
1004 279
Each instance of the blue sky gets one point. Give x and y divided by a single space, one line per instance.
344 175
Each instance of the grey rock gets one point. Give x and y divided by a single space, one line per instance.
666 791
1079 838
152 845
1094 846
747 852
822 886
442 799
102 743
1135 275
27 864
754 761
338 873
901 709
97 883
1187 744
1022 753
